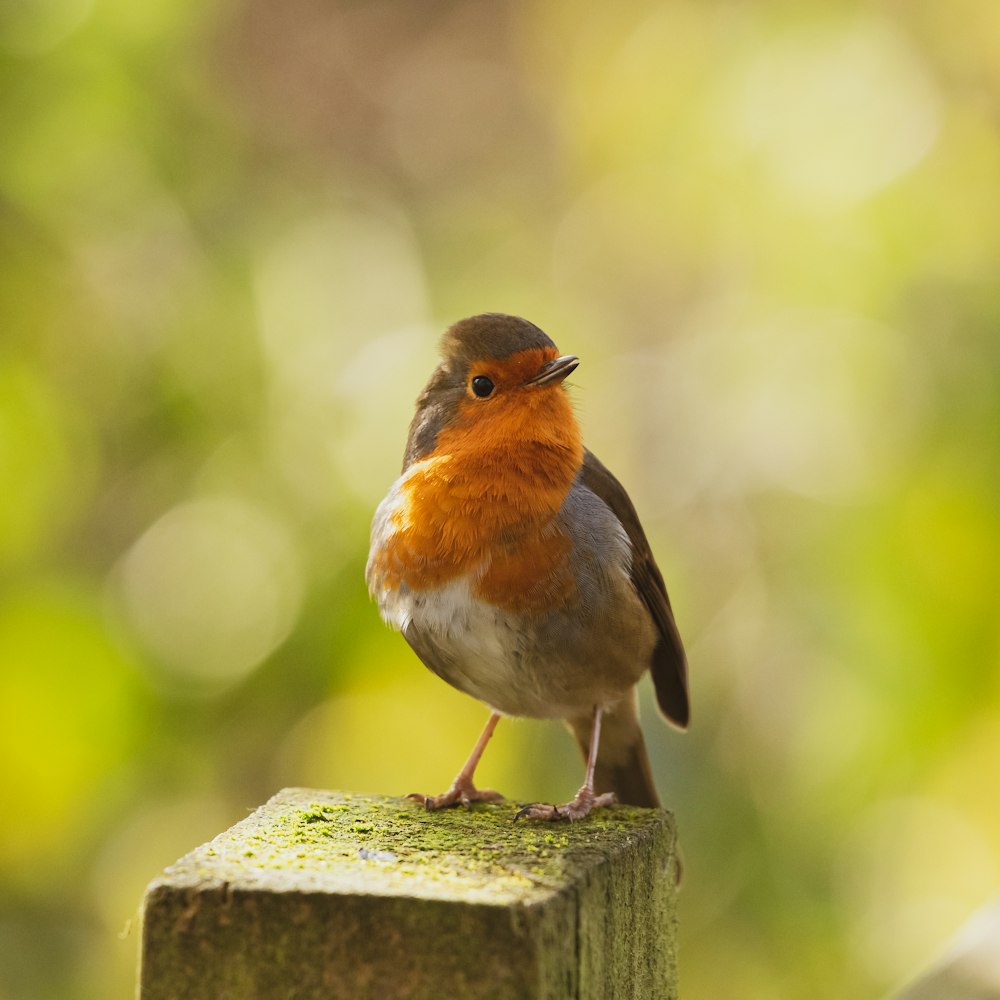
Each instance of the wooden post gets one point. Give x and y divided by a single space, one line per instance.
326 894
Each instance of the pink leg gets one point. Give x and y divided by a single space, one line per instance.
585 798
462 790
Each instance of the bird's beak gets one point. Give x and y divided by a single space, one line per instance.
555 370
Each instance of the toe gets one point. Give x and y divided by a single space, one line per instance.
539 811
469 796
488 795
434 802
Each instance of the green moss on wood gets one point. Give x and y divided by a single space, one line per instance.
376 844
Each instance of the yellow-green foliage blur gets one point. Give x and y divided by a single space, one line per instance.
230 236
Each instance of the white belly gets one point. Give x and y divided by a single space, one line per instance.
475 647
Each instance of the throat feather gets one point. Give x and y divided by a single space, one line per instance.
484 503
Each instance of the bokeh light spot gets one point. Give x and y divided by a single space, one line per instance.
836 114
212 588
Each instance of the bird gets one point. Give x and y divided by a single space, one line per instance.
514 564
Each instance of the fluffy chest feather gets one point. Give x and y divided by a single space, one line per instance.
488 520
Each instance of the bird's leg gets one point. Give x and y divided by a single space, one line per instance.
585 798
462 790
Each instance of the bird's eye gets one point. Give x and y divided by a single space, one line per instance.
482 386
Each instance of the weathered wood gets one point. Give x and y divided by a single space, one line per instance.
323 894
970 968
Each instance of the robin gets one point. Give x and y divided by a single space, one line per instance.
514 564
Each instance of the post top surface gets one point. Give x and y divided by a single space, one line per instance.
311 841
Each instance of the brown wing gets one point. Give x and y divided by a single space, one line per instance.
669 664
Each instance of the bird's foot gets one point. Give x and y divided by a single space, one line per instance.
580 806
461 793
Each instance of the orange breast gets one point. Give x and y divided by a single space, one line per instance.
485 501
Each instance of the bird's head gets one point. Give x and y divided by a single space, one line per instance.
499 384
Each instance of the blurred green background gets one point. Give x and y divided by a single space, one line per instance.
230 236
